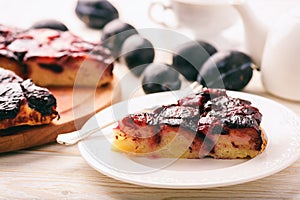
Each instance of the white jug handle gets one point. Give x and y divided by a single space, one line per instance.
160 20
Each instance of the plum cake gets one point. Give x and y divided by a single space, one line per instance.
24 103
54 58
206 124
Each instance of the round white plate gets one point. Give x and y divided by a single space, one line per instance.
282 128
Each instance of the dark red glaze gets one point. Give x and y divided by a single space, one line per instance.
187 111
175 115
202 97
7 76
11 98
11 94
141 119
137 125
14 92
225 111
49 45
211 112
39 98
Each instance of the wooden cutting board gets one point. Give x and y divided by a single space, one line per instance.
75 107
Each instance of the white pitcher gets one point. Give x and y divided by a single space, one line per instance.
276 51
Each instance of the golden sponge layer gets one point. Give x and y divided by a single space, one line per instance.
238 143
27 116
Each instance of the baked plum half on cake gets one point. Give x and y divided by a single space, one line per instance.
24 103
54 58
207 124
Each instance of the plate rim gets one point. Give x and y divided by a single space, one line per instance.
116 175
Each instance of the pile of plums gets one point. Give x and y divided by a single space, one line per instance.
194 60
200 61
138 54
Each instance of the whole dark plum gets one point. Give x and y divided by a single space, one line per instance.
231 70
189 57
114 34
51 24
96 13
137 53
159 77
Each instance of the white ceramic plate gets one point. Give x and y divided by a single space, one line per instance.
282 128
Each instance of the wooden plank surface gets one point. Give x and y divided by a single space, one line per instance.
58 172
75 106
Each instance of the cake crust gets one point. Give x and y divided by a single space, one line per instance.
54 58
208 124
